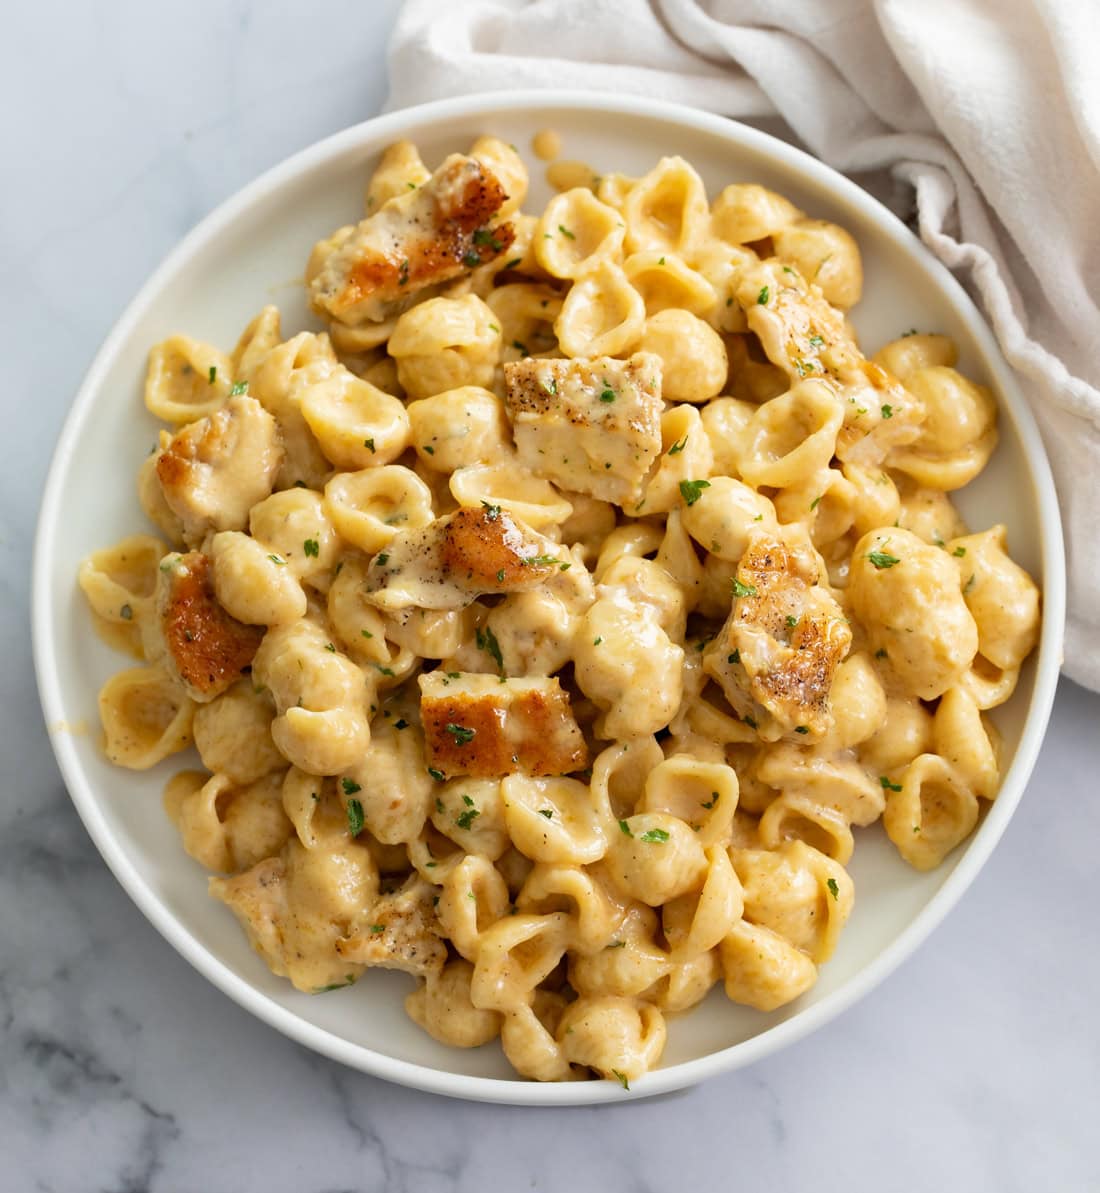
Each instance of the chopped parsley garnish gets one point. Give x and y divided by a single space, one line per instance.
126 613
791 621
492 512
654 836
887 785
385 670
597 641
438 776
330 648
969 585
382 559
500 576
751 722
513 263
237 388
350 786
547 812
366 633
376 928
484 236
712 801
762 297
678 447
911 332
355 816
439 804
520 347
550 386
471 260
887 411
565 232
403 273
801 729
816 342
743 590
834 890
312 548
621 1078
466 819
882 559
462 736
213 374
691 491
607 395
427 447
815 503
624 828
277 559
369 444
487 641
539 561
348 981
959 552
661 262
734 658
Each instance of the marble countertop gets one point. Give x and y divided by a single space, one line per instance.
975 1067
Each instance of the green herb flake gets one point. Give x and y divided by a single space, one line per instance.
882 559
348 981
621 1078
816 342
492 512
959 552
597 641
547 812
565 232
677 447
513 263
654 836
801 729
762 297
484 236
376 928
691 491
887 410
277 559
439 804
624 828
369 444
312 548
751 722
382 559
427 447
471 260
403 273
466 819
238 388
834 890
366 633
743 590
887 785
969 585
213 376
734 658
711 802
500 576
439 778
330 648
355 816
350 786
816 502
462 736
791 621
617 944
539 561
385 670
550 386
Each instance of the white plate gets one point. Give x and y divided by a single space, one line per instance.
252 251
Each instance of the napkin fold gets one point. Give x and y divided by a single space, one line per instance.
986 112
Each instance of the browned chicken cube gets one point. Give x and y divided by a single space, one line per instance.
485 726
424 237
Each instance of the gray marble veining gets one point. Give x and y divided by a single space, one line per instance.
976 1067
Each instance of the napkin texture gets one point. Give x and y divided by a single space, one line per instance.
986 112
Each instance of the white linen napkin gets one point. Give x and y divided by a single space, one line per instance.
988 109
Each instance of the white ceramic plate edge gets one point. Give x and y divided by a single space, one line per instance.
393 126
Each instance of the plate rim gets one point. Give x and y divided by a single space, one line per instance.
509 1090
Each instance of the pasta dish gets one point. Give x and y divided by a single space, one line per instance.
549 622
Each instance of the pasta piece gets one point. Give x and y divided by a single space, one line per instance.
233 734
654 857
595 912
908 597
693 358
445 343
369 509
399 170
295 526
444 1009
553 820
589 425
666 210
186 380
602 315
481 726
933 812
620 1038
457 428
353 421
252 583
426 236
575 232
146 716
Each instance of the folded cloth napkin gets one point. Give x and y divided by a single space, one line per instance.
989 110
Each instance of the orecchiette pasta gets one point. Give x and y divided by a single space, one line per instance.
551 627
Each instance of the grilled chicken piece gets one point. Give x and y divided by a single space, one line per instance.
455 559
806 337
400 931
423 237
216 469
777 654
592 426
485 726
192 636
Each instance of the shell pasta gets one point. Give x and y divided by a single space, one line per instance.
552 624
